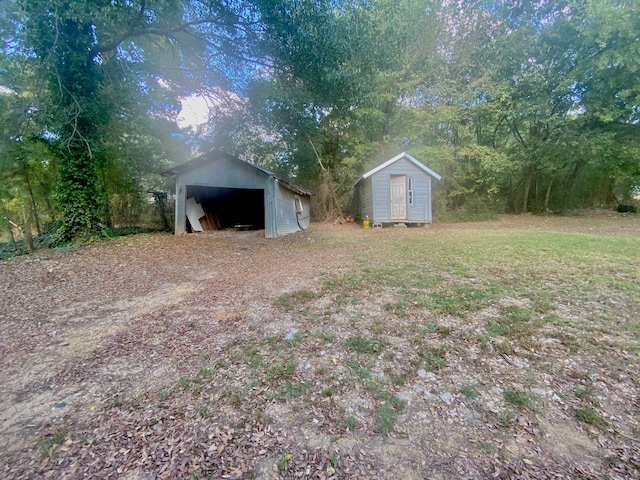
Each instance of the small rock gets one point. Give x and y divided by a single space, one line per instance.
430 397
291 334
446 397
429 376
540 392
60 405
549 340
497 390
417 389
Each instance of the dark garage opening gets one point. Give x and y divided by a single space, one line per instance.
240 208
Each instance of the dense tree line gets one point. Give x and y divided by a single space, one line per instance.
522 106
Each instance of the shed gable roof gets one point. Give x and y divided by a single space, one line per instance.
418 164
215 155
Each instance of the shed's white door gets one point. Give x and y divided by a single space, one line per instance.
398 185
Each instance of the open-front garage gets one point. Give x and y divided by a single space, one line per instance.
223 208
219 191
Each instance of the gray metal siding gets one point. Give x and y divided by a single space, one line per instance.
270 210
286 221
226 174
305 217
420 211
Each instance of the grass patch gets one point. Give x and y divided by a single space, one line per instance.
293 390
518 399
362 345
280 371
515 321
434 359
295 299
254 357
46 444
590 416
349 423
460 300
386 415
470 391
284 460
360 370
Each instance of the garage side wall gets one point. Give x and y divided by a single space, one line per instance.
286 218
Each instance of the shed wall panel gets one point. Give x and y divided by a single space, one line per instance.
381 200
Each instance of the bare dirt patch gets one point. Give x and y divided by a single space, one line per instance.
233 356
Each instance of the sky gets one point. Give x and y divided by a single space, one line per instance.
195 111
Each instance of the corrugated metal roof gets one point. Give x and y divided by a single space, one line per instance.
215 154
395 159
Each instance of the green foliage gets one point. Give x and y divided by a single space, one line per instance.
534 109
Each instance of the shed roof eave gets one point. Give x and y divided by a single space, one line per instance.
395 159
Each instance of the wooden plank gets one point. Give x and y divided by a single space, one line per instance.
194 214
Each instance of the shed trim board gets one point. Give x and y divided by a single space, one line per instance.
229 190
397 191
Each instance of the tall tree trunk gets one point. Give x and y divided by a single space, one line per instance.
527 188
34 208
28 237
548 194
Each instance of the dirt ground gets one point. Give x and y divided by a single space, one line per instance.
135 358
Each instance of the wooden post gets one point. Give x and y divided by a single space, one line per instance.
28 237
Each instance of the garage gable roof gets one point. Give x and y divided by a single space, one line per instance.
420 165
215 155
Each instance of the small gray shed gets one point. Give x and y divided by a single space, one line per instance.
217 191
398 191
